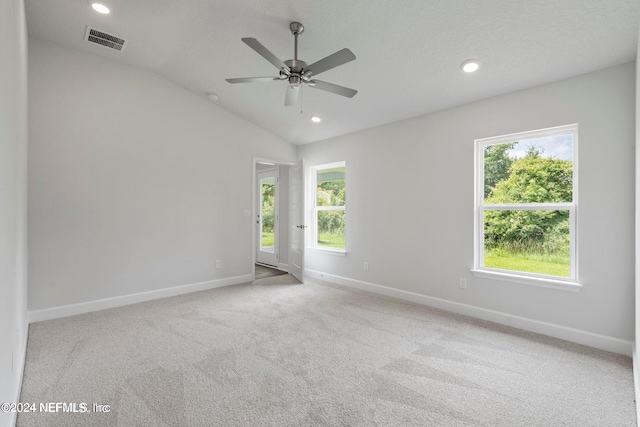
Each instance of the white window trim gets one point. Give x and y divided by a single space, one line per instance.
328 251
525 279
479 270
313 230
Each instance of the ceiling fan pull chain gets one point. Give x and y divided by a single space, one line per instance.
301 98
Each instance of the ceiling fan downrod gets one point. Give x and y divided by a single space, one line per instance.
296 29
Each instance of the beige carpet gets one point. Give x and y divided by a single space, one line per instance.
285 354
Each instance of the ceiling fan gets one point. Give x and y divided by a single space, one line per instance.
297 72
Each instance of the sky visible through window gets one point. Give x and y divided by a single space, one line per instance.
556 146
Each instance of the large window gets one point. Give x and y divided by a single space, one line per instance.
329 206
526 204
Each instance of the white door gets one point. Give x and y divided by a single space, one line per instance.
267 218
296 219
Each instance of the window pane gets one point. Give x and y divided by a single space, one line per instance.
536 170
268 212
331 229
331 188
535 241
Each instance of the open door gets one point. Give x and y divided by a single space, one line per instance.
268 218
296 220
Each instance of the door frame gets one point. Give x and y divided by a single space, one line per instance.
254 208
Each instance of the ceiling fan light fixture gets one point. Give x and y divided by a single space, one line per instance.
470 65
100 7
316 119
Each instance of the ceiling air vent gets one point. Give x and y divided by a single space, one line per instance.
100 37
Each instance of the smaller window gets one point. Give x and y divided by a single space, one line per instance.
329 206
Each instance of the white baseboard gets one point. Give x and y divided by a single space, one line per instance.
102 304
590 339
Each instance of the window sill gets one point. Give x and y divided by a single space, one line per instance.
564 285
336 252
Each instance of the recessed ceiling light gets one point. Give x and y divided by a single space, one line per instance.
316 119
213 97
100 7
470 65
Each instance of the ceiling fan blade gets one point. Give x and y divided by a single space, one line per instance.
293 94
252 79
340 57
330 87
265 53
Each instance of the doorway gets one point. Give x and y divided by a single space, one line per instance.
268 218
284 244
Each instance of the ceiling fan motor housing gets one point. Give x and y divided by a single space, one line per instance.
295 65
297 68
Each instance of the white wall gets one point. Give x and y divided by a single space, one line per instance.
13 197
410 204
135 183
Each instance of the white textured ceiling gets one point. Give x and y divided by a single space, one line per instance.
408 51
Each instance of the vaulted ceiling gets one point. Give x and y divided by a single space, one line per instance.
408 51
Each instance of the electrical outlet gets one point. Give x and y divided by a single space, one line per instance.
463 283
217 263
366 266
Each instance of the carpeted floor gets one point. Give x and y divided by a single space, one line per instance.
276 353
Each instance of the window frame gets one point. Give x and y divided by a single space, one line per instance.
566 283
313 241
